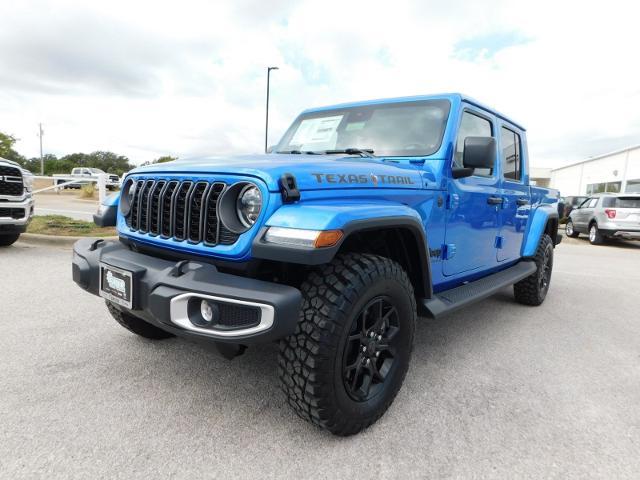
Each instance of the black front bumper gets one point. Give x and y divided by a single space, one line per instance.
9 229
156 282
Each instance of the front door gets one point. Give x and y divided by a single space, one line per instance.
472 210
581 215
514 213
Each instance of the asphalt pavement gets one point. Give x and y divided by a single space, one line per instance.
67 204
497 390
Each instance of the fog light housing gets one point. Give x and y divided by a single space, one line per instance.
206 310
203 313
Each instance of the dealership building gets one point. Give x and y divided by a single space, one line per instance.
617 172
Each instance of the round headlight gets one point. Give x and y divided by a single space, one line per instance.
249 205
239 206
126 197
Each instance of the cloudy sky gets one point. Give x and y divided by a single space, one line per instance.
187 78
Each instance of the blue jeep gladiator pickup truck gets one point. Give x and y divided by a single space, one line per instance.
363 217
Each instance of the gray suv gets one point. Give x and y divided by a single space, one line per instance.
606 215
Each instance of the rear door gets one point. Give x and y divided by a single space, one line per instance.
514 213
472 214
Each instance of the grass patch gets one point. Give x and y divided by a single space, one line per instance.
67 227
88 191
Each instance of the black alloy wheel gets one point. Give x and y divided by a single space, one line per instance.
370 349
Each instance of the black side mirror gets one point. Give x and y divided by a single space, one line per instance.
479 152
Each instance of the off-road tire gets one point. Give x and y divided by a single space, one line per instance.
6 240
571 228
532 290
137 325
310 362
595 238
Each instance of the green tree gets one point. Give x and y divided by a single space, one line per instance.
6 148
108 161
164 159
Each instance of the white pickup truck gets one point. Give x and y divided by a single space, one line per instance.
79 173
16 201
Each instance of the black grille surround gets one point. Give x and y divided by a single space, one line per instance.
11 183
182 210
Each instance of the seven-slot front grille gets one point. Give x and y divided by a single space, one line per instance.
10 181
182 210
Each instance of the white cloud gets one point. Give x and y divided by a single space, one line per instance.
151 78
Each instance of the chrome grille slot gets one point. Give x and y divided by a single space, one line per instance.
196 201
182 210
154 208
143 223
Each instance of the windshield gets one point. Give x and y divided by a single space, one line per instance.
401 129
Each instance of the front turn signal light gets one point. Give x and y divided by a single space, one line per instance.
303 238
328 238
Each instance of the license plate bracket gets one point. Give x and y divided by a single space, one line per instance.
116 285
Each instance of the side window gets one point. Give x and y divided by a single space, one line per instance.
472 126
75 171
608 202
510 156
584 203
592 203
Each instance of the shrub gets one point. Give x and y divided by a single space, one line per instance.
88 191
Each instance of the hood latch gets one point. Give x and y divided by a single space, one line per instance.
289 188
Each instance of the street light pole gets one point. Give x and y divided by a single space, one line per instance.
266 125
40 133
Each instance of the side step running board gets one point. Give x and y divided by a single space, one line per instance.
458 297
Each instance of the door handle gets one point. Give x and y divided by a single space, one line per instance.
522 201
495 200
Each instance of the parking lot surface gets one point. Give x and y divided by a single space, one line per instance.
65 203
498 390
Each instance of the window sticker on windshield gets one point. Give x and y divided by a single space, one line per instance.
354 126
316 130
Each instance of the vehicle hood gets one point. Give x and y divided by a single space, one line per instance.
312 172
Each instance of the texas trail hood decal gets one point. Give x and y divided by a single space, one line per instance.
312 172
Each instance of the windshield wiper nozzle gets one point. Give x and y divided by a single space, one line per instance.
363 152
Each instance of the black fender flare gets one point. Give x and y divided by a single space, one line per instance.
306 256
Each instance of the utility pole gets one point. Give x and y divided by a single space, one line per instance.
40 133
266 126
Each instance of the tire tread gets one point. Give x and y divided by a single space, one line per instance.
328 293
527 291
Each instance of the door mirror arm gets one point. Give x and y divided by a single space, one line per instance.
461 172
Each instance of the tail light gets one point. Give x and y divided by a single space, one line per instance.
611 213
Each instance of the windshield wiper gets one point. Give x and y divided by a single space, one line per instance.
363 152
299 152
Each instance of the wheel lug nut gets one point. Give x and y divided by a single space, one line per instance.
368 361
377 354
364 349
379 337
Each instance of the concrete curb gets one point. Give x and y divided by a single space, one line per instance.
56 240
